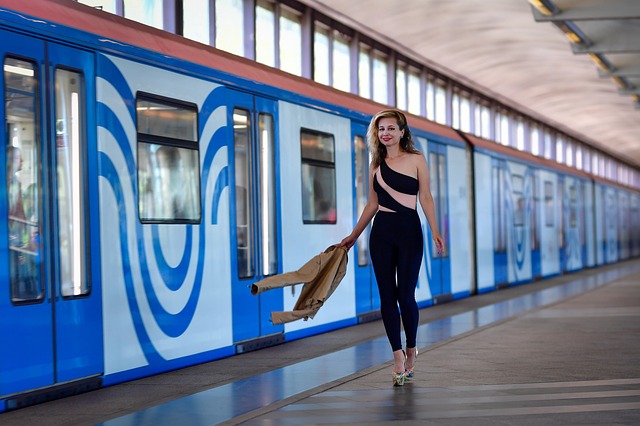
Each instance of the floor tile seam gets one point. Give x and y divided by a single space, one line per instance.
421 399
418 415
533 388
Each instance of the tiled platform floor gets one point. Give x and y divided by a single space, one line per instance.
562 351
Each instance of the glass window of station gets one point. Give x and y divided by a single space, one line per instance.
294 37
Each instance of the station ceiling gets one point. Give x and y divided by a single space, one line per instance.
516 54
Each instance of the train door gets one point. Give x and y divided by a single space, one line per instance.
51 330
255 234
535 225
367 296
499 199
563 221
582 209
440 279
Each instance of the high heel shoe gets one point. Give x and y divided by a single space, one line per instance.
408 374
399 378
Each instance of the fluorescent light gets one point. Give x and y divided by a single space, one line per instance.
28 72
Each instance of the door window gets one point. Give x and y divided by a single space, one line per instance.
268 194
362 194
244 196
70 140
23 180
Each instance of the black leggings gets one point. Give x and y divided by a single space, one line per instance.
396 250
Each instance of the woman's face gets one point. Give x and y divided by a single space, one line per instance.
389 132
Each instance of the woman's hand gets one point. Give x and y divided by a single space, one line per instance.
348 242
439 241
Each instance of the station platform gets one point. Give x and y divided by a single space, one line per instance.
561 351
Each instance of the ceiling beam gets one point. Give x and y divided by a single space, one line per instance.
571 10
628 71
629 92
622 36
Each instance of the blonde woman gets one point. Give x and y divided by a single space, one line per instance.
398 179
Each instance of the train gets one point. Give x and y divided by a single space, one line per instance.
150 180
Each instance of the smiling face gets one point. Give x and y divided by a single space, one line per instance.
389 132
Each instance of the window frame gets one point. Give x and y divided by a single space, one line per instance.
150 139
312 162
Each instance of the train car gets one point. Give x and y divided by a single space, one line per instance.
150 180
535 217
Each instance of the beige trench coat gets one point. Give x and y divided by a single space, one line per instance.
320 276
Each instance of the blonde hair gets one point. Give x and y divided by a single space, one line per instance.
378 150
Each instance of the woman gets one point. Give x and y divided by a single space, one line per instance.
398 178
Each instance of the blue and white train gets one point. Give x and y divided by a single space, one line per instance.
150 180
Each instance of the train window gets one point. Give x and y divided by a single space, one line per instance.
268 194
318 177
573 206
517 191
244 194
362 193
166 119
24 185
168 161
549 213
70 140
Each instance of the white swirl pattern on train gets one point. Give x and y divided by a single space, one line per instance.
163 323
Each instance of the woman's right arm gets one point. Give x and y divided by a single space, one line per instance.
368 213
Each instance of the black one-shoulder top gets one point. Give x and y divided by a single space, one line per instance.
397 181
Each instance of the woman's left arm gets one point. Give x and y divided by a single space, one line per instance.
426 200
